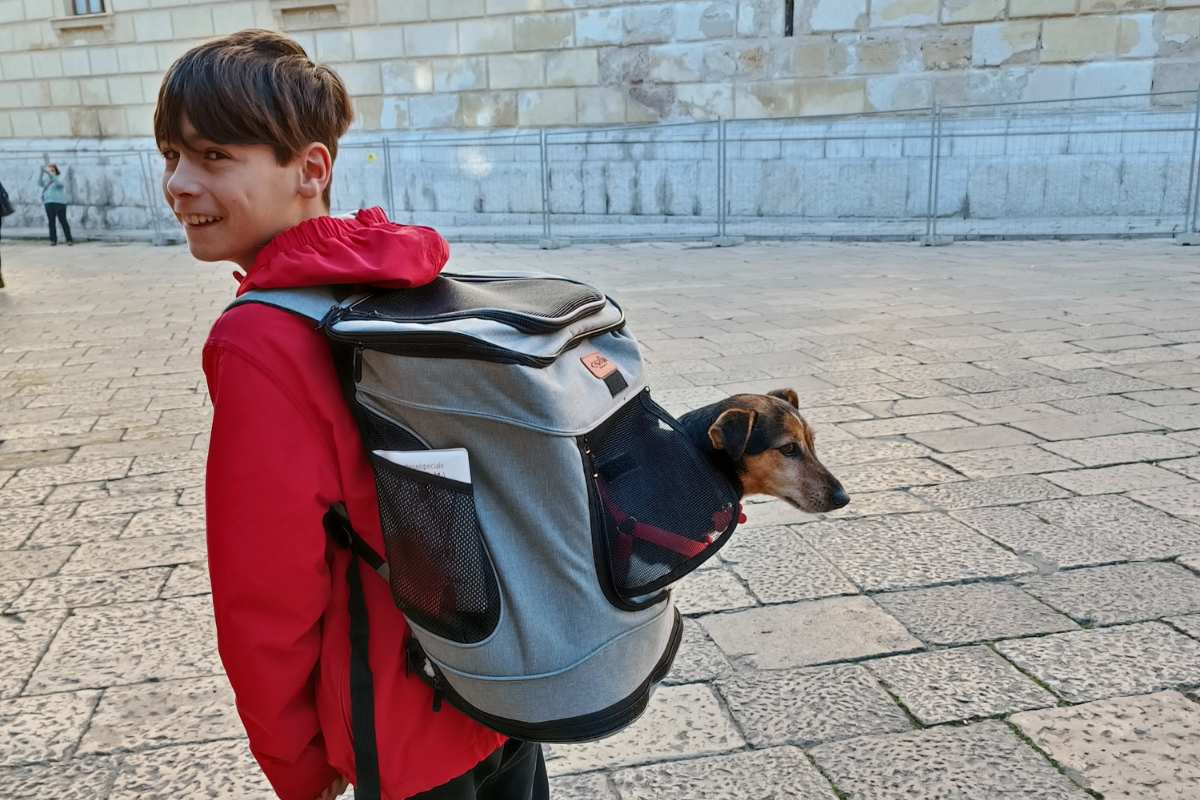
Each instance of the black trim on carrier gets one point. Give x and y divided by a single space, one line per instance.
585 728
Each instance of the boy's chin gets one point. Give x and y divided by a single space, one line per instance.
210 251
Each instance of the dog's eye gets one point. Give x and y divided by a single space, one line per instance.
791 450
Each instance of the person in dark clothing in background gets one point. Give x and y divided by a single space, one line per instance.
54 195
6 208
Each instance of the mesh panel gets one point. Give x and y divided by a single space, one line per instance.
441 576
665 508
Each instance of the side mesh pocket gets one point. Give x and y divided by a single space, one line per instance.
663 508
441 574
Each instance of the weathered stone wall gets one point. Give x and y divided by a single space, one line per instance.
504 63
1055 172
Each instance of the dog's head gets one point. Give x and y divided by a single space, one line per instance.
772 449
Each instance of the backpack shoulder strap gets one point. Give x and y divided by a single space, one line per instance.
312 303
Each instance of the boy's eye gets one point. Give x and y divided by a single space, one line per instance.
214 155
170 155
791 450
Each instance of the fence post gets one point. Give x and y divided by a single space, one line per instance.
147 183
547 242
935 158
1193 189
723 238
387 173
721 185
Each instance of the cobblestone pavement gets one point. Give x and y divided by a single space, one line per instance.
1009 608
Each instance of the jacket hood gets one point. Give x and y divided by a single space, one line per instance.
366 249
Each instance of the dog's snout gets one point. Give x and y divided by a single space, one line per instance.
839 498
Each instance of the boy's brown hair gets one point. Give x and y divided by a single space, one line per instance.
254 87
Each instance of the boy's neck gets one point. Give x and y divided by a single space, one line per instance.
307 213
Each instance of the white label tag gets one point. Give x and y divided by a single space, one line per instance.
453 463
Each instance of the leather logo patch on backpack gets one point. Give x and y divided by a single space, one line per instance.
598 365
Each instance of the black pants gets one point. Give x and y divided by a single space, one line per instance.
516 771
58 211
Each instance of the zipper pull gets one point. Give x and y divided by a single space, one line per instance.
438 692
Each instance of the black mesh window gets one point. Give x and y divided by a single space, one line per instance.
441 576
665 508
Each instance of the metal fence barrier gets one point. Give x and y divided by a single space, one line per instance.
1120 165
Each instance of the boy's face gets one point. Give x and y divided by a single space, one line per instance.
231 199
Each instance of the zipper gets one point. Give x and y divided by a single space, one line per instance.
587 303
581 729
526 323
457 345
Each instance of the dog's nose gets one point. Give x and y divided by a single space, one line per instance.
839 498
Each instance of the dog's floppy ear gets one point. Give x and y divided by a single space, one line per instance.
731 431
787 395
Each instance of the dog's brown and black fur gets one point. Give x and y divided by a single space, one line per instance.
764 446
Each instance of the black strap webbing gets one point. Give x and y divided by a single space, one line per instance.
362 684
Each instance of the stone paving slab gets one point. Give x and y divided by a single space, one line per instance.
592 786
1111 480
130 643
1189 624
814 632
77 779
779 567
1118 593
989 492
1123 449
884 475
692 713
143 715
869 504
909 550
778 773
807 706
1084 531
982 437
150 551
78 591
1002 461
1145 747
699 659
1107 662
1182 501
711 590
187 579
978 612
216 769
985 760
959 684
23 640
34 729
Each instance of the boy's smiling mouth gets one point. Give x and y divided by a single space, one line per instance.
198 220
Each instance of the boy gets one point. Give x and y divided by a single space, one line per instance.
248 127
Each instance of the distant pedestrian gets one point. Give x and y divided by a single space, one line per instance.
6 208
54 195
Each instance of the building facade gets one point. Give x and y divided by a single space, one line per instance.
88 69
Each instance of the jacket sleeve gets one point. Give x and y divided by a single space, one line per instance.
269 482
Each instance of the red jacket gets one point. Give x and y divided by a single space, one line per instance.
284 447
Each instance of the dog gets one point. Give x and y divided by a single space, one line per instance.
764 447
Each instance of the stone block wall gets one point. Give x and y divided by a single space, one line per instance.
433 64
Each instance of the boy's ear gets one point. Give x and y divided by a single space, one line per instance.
316 170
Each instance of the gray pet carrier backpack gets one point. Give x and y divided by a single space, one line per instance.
537 589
